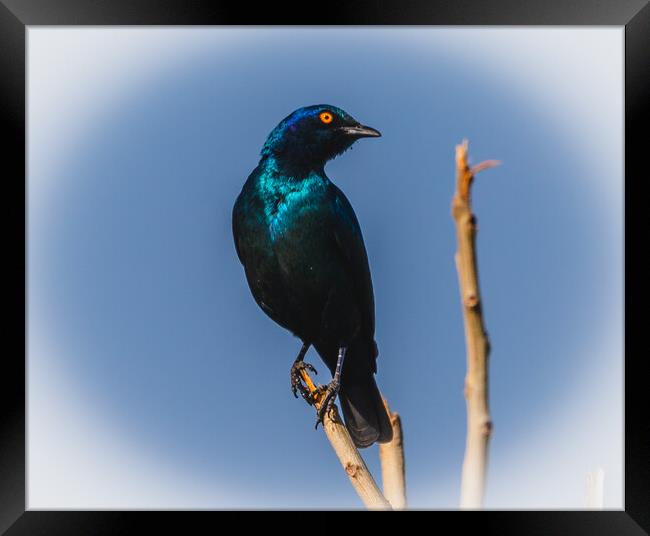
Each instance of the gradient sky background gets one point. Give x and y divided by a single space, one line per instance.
154 381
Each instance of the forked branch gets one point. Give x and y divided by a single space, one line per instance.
352 462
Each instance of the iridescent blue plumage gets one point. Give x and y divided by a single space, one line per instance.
305 261
281 134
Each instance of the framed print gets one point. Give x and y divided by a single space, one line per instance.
415 219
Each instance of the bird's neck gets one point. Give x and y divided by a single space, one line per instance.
288 170
276 183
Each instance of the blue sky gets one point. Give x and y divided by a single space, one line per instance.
154 379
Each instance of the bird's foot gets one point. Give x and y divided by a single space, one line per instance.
297 384
328 395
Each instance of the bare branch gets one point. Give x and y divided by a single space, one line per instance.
595 489
351 461
479 423
391 456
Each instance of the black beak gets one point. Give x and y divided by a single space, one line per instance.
361 131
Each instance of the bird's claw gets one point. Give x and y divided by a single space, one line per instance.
329 399
297 384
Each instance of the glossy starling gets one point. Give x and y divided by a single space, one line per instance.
301 246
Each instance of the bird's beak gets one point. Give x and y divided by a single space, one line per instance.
361 131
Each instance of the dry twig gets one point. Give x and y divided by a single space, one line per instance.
479 423
595 489
391 456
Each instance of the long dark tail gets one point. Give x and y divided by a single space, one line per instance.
364 412
363 409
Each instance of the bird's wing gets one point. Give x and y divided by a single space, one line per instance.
235 232
349 241
242 206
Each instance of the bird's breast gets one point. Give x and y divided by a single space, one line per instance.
289 209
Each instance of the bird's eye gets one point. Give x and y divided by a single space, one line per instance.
326 117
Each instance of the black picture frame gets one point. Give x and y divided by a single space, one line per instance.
16 15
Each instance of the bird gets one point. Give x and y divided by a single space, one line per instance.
300 243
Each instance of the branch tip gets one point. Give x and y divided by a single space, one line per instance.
487 164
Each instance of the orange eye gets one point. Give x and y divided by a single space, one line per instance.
326 117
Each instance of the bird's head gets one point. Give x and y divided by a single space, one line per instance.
312 135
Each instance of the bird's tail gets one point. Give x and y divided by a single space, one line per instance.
364 412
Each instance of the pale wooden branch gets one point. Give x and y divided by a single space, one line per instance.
595 489
479 423
352 462
391 456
